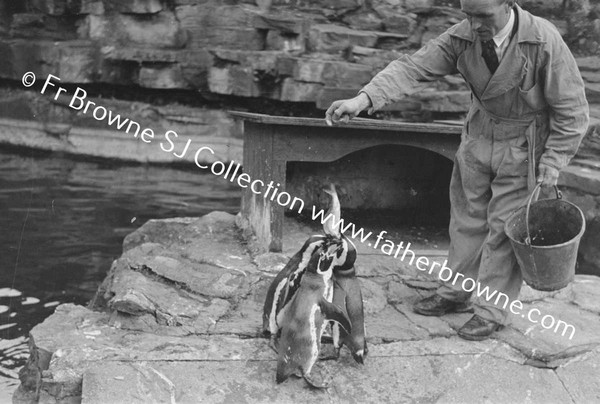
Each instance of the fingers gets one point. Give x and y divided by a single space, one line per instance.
548 176
541 173
341 110
331 111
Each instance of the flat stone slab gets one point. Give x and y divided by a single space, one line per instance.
447 377
179 319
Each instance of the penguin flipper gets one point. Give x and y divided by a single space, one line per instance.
339 299
335 313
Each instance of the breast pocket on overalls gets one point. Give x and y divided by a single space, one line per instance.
532 99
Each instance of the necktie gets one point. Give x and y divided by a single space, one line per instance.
488 51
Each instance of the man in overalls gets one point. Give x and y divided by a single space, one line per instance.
527 118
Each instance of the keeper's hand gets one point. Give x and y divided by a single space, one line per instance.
344 110
548 176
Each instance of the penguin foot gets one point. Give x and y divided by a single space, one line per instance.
321 380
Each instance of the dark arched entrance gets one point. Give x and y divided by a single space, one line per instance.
408 180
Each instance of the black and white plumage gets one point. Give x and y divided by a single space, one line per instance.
304 319
285 284
346 293
298 306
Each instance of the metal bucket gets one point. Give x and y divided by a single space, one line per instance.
545 237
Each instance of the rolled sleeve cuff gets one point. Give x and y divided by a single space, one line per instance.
375 95
554 159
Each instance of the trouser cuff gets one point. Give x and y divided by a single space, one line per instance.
451 294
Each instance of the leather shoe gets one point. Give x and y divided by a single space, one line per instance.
435 305
478 328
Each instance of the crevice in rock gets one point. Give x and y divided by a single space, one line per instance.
385 341
179 286
564 385
127 361
552 361
213 263
587 310
436 355
240 335
504 359
376 276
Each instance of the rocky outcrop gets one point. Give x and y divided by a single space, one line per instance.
180 318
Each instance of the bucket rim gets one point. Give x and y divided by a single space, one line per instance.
576 237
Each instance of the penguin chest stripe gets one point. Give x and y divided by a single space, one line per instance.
335 333
328 286
315 337
273 316
306 256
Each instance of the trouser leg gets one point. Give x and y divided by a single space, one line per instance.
469 198
481 202
499 270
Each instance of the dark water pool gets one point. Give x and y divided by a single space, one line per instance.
62 222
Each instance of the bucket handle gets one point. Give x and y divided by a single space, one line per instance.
536 192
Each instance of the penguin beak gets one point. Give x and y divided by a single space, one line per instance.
324 263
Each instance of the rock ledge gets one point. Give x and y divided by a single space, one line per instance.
178 320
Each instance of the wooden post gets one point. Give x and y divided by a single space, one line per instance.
264 215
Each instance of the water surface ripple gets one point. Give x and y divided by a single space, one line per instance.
62 223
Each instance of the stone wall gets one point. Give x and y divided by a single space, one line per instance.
301 54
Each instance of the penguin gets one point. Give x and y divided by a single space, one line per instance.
287 281
304 319
346 292
285 284
348 295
